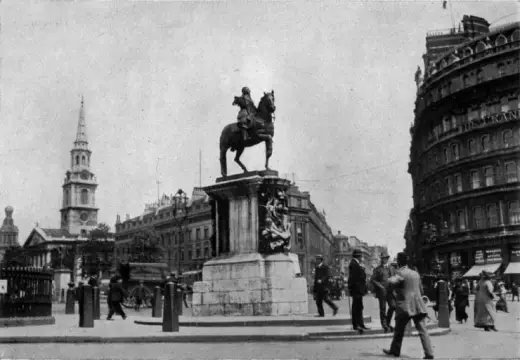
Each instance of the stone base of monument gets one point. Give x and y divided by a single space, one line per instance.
250 285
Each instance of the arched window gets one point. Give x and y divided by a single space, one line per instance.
516 35
67 198
472 147
455 151
77 159
83 162
501 40
486 146
508 138
84 196
480 47
468 52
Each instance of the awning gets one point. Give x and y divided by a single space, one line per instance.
477 269
513 268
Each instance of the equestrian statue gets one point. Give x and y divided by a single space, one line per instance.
254 125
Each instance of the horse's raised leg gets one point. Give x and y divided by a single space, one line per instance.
268 151
237 158
223 161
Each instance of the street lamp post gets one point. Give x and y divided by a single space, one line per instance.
180 209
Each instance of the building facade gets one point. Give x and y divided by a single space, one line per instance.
465 152
345 245
187 247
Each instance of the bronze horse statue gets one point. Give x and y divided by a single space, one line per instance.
261 129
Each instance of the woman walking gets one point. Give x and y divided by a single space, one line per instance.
484 308
460 296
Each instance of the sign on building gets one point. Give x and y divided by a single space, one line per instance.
493 256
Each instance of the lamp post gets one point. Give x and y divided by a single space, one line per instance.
180 209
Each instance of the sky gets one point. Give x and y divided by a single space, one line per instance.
158 79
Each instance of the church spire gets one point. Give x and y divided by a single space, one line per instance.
81 135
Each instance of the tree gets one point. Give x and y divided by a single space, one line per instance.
145 247
16 256
97 253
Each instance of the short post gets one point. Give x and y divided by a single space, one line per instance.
443 306
171 316
178 298
157 303
69 303
96 306
86 318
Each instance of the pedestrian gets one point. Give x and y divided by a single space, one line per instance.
502 302
409 305
514 292
186 289
93 280
484 308
460 296
384 296
357 287
321 287
140 295
116 296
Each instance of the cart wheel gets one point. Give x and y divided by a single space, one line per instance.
129 302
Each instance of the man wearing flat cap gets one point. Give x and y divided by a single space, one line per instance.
357 287
409 306
321 287
384 295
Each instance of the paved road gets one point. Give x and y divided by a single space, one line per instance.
464 342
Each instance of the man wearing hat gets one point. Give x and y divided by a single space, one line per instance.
357 287
321 290
409 306
380 281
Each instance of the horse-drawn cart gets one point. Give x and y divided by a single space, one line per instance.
152 275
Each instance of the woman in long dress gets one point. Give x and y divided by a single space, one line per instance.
461 299
484 308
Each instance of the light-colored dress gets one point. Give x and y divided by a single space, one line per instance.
485 313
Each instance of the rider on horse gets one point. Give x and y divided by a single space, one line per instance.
247 111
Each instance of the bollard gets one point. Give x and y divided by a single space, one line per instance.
171 316
157 303
178 299
96 306
69 304
86 318
443 307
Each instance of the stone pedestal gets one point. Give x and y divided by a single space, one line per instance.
245 278
62 277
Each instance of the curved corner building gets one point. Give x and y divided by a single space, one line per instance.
465 152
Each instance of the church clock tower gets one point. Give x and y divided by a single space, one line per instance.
79 211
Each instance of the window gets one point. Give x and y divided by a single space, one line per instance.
206 233
83 162
462 220
84 196
501 40
77 160
453 122
458 183
475 179
197 254
480 46
492 216
478 218
511 172
446 156
83 232
485 143
508 138
197 234
190 253
480 75
504 104
501 69
453 222
206 252
472 147
299 202
514 213
448 186
446 124
455 151
488 174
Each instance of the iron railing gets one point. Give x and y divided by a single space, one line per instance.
29 292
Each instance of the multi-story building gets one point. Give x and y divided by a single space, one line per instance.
78 213
185 237
465 152
344 245
311 235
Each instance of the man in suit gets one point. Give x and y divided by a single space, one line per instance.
116 296
357 287
321 287
409 305
384 295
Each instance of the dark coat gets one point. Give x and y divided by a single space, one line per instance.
357 279
380 279
321 278
116 293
